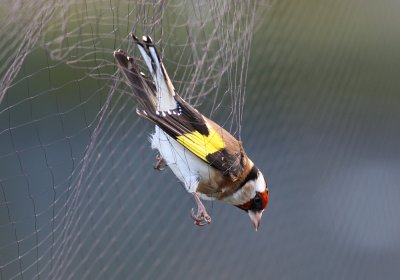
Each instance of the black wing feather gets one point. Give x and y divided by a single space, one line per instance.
179 121
141 87
232 165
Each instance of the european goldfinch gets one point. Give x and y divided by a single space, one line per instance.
208 160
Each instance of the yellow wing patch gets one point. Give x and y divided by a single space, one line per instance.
202 145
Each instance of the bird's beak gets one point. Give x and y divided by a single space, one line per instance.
255 218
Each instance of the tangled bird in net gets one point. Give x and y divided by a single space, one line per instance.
207 159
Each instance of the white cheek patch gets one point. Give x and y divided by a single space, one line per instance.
260 183
248 191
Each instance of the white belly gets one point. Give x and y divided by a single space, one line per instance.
178 158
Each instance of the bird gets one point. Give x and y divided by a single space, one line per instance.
209 162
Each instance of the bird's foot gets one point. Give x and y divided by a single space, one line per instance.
201 218
160 163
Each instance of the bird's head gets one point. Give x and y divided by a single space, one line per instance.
256 183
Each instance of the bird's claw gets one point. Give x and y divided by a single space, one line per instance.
160 163
201 218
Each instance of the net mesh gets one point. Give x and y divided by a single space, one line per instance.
79 198
75 191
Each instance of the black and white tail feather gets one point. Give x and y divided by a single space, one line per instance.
165 91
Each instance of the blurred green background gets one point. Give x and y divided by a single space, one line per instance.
79 198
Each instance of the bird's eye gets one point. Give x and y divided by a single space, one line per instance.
257 202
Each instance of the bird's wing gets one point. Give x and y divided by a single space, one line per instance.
201 136
142 88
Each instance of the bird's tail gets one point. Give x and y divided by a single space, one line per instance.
151 95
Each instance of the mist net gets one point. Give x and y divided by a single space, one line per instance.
79 198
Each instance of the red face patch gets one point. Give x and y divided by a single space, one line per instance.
258 203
